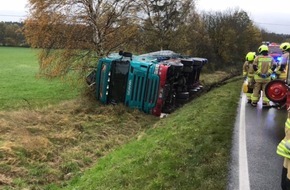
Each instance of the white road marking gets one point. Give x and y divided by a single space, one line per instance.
244 182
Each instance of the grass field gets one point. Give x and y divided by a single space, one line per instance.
21 88
81 144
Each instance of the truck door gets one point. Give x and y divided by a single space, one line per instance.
102 80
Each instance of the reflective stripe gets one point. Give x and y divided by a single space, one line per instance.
287 123
280 153
282 150
265 99
283 142
265 59
249 95
283 75
254 98
283 147
260 79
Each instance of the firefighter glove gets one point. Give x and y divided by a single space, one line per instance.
264 76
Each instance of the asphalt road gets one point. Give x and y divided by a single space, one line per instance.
255 164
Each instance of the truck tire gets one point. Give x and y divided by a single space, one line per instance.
183 95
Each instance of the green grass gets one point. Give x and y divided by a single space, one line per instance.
19 85
190 149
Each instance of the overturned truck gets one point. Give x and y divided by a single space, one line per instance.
154 83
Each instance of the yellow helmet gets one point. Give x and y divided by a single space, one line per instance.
250 56
263 48
285 46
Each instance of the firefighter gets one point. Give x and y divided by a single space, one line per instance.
283 149
248 74
281 70
263 66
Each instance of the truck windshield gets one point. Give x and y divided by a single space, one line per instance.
118 82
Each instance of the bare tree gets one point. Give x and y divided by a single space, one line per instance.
72 33
232 35
161 20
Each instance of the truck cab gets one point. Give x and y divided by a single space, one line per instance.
120 79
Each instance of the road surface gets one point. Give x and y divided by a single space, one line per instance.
255 164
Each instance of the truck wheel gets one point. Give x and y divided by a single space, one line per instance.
183 95
276 91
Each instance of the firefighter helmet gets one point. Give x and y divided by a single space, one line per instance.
250 56
285 46
263 48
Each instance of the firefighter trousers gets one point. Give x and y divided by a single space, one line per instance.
251 85
259 86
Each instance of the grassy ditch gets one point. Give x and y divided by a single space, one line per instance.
45 148
190 149
50 145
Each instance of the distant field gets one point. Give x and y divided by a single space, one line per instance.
19 85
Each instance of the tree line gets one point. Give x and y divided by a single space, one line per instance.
11 34
74 34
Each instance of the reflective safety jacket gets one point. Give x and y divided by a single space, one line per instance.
264 65
283 149
283 66
248 70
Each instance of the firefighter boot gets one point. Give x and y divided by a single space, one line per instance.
266 104
254 104
285 182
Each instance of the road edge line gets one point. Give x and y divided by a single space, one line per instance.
244 182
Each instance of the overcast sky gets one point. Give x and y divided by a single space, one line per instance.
13 10
272 15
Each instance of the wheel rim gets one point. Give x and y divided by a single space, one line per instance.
276 91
